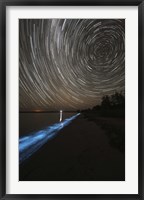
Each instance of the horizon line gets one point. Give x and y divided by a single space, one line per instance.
41 111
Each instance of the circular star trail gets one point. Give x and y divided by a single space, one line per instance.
70 64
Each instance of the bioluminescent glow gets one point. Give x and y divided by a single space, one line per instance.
60 115
29 144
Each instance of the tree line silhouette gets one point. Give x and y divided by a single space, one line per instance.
110 106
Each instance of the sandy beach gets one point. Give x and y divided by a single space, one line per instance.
82 151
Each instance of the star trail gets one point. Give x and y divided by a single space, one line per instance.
69 64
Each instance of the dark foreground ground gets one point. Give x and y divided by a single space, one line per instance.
86 150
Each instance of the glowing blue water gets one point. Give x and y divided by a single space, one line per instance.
29 144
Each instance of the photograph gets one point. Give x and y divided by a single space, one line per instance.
71 99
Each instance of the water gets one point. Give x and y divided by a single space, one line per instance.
83 150
29 122
30 143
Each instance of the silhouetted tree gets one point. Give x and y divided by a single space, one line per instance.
106 103
97 107
118 100
111 106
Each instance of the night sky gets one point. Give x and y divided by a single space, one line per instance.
69 64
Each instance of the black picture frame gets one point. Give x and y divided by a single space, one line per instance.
3 5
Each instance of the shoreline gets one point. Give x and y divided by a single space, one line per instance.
82 151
